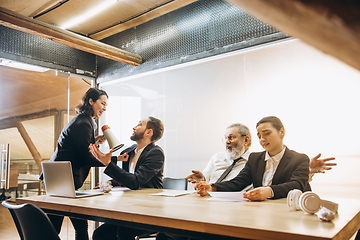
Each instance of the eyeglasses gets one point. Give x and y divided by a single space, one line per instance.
230 138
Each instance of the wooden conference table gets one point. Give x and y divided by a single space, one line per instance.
194 215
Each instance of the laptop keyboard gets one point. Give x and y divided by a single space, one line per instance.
80 193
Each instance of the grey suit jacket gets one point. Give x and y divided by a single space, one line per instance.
291 173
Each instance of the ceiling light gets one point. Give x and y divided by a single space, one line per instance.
89 14
23 66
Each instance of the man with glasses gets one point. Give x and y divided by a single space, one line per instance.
226 165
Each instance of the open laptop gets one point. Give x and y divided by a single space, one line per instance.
59 182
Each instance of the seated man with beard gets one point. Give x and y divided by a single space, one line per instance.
226 165
143 165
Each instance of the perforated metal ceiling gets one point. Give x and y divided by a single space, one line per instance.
201 29
40 51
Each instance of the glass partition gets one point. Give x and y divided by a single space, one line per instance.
36 106
313 94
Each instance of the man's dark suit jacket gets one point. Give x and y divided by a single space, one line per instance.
73 145
291 173
148 170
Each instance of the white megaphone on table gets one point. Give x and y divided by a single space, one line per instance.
110 137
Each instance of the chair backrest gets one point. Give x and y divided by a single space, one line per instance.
175 183
31 222
16 221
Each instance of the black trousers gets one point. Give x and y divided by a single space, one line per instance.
80 226
115 232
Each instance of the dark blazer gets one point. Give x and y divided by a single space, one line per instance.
291 173
148 170
73 145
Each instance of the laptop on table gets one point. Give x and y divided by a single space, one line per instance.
59 182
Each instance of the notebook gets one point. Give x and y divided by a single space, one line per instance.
58 181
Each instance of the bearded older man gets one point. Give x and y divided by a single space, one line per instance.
226 165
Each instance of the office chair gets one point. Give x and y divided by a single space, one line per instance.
169 183
175 183
17 224
31 222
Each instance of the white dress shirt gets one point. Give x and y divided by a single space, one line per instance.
134 160
271 166
218 164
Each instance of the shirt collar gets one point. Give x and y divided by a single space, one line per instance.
246 154
94 124
139 151
277 157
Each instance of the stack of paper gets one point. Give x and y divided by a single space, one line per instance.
227 196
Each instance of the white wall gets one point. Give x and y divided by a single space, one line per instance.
315 95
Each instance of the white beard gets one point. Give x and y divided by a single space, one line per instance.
235 153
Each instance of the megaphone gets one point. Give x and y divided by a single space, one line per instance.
110 137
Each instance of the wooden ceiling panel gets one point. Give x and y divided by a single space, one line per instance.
118 12
25 7
70 10
27 92
122 15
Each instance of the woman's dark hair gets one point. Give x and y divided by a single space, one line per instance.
85 106
274 121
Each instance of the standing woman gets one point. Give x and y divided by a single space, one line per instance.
73 145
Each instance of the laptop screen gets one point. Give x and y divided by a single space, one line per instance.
58 179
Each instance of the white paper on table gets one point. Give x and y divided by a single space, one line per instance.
120 189
227 196
172 193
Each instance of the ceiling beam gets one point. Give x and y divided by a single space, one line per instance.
43 8
22 23
30 144
332 26
159 11
12 121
